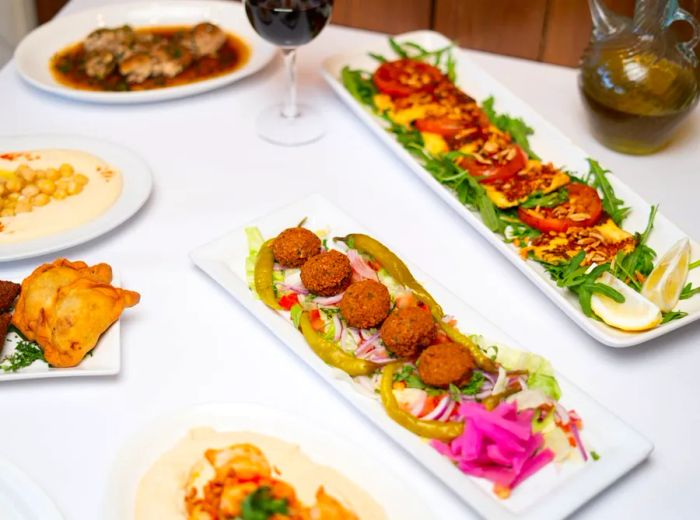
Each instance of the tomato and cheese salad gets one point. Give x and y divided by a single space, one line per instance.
571 225
492 410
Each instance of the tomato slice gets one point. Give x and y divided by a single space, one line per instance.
496 172
403 77
443 126
583 209
289 300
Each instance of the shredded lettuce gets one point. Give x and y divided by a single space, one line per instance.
255 242
541 372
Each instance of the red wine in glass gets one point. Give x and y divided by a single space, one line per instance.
289 24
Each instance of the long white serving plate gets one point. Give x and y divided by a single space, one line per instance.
550 144
554 492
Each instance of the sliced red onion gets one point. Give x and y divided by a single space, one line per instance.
338 326
418 405
523 382
484 394
448 412
366 345
580 445
380 359
299 289
360 266
328 300
490 377
439 409
561 412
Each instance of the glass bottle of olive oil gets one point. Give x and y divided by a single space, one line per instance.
637 81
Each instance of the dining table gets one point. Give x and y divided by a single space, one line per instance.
189 342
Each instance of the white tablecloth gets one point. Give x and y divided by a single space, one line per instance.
189 342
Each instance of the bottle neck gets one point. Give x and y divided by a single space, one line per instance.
650 16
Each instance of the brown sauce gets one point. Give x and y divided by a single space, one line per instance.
68 65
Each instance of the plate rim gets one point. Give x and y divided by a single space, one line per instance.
265 49
630 457
605 335
48 509
134 196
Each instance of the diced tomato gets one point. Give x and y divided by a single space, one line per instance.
430 403
376 266
406 299
584 204
501 491
403 77
289 300
497 171
316 320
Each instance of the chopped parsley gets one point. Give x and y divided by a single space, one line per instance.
259 505
408 375
471 388
26 353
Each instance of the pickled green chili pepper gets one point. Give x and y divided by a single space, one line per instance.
263 276
332 354
444 431
394 266
480 358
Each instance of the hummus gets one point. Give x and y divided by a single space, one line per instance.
101 191
161 492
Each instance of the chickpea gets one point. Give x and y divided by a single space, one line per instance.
81 179
13 185
30 190
40 200
26 172
23 206
46 186
52 174
66 170
2 189
13 197
7 212
74 188
60 194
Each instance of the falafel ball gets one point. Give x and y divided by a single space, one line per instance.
407 331
5 319
294 246
365 304
327 274
444 364
8 294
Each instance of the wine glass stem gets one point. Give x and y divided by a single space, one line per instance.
290 109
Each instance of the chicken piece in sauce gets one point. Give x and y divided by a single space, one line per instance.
205 39
99 64
116 41
170 59
136 68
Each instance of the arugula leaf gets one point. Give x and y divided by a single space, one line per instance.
688 291
515 126
378 57
630 267
693 265
360 85
26 353
475 383
513 228
398 48
549 200
611 204
259 505
408 375
414 51
672 315
582 280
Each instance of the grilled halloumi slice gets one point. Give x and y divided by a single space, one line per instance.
601 243
535 178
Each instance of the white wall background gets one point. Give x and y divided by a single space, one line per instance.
17 17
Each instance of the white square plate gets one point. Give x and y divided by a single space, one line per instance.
104 360
554 492
552 145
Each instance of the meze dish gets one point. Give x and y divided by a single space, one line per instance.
57 315
210 475
126 58
570 225
491 410
44 192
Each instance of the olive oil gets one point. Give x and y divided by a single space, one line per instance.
636 100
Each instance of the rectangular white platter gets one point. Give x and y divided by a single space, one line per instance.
553 147
554 492
104 359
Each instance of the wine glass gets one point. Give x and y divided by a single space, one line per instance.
289 24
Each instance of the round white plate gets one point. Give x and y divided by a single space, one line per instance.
137 184
359 464
36 49
21 498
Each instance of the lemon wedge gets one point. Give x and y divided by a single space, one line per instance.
666 281
634 314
